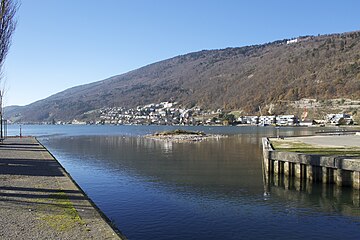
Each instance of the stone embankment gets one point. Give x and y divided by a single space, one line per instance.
39 200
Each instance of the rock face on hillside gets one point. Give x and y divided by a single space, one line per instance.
322 67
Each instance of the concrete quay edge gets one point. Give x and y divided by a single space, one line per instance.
37 194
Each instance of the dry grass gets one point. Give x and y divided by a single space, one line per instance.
300 147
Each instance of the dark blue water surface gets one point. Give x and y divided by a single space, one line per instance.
208 190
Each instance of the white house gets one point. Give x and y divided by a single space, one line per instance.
292 41
267 120
286 120
336 118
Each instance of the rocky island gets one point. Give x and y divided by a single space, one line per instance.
179 135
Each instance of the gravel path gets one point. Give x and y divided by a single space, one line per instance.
38 200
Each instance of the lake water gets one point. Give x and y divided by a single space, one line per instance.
208 190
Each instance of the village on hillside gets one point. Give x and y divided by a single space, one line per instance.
170 113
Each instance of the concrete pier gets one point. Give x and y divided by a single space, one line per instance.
39 200
340 170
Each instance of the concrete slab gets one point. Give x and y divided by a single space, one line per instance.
39 200
329 141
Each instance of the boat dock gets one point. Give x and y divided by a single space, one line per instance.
39 200
339 167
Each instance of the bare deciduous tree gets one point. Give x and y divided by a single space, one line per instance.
8 9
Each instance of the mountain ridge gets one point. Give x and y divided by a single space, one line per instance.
245 78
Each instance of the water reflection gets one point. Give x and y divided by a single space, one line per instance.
318 196
110 130
209 163
213 189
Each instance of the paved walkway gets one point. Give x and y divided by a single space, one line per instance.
38 200
330 140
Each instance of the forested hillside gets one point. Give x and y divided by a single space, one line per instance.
244 78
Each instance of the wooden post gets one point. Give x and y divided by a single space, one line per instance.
287 169
297 170
310 173
303 168
338 177
276 167
356 180
286 182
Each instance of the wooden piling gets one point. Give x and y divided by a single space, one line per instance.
343 171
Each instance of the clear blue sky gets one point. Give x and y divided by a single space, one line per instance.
64 43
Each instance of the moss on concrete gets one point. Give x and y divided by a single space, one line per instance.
59 213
